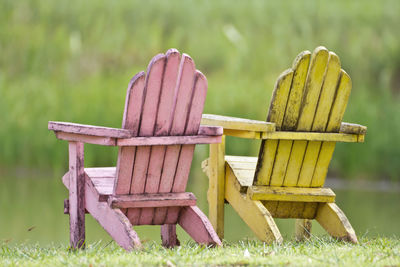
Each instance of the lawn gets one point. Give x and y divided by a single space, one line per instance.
315 252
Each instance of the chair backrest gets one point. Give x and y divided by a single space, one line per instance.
310 97
167 101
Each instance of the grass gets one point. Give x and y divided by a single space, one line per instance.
315 252
72 62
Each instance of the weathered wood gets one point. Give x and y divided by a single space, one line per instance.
196 224
130 121
240 124
312 136
335 119
103 183
243 134
183 85
216 188
162 128
253 212
194 104
85 129
168 236
152 200
112 220
352 128
289 123
297 194
169 140
152 89
303 229
333 220
307 108
162 116
88 139
146 141
76 195
276 114
321 117
290 209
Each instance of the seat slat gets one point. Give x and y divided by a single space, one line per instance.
297 194
244 176
153 200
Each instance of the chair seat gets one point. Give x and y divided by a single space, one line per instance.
244 169
103 179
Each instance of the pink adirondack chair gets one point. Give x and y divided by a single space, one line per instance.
160 127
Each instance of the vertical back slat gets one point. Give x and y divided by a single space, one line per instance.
275 114
321 118
311 94
335 119
292 112
130 121
186 153
162 128
186 78
153 86
192 128
294 103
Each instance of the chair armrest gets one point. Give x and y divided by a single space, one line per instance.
83 129
352 128
314 136
238 124
120 137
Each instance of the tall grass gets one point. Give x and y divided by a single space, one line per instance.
72 60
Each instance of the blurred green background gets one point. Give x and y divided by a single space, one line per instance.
72 61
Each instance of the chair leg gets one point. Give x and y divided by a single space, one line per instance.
168 235
197 225
216 190
333 220
253 212
76 195
303 229
114 221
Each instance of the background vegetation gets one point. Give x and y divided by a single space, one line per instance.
72 60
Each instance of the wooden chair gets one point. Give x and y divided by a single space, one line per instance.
286 180
160 127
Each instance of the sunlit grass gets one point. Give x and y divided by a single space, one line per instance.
316 252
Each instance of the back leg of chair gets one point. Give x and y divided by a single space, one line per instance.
168 235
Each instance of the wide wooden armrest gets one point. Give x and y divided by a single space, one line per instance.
314 136
237 124
352 128
120 137
83 129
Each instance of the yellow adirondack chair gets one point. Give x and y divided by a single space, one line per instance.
298 139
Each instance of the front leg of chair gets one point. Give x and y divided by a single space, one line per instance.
333 220
114 221
76 195
197 225
253 212
216 189
168 235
